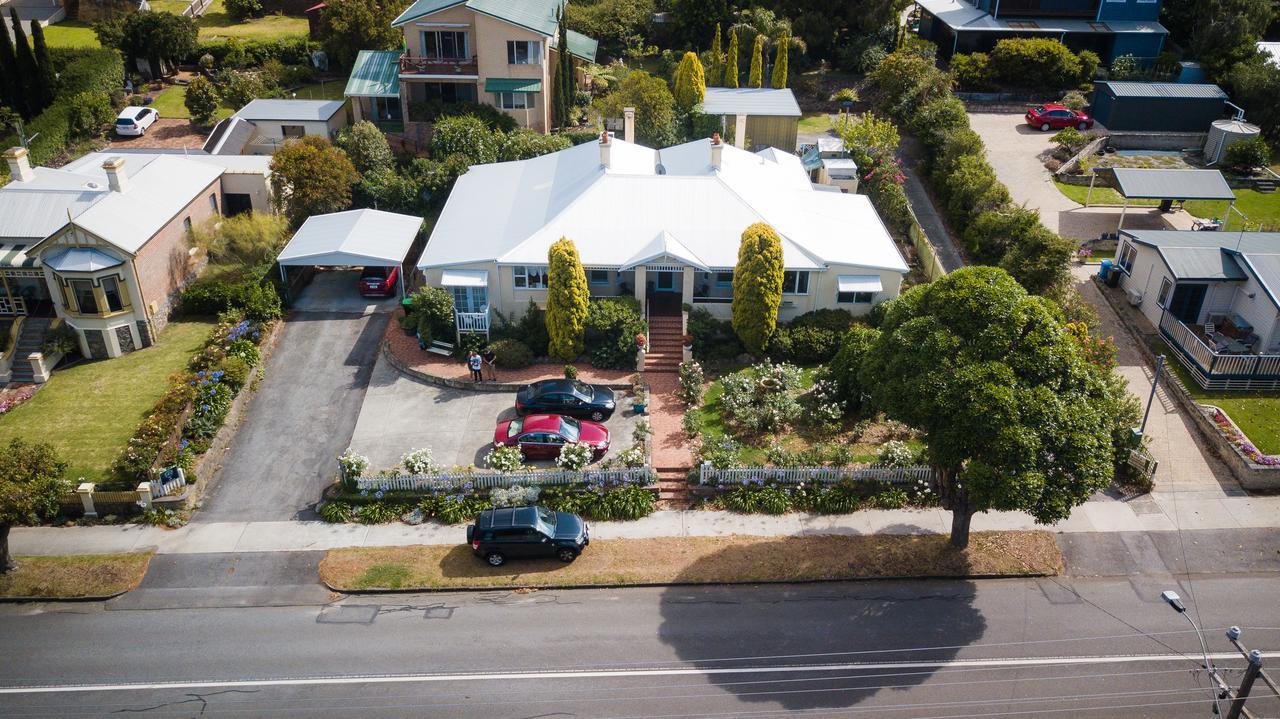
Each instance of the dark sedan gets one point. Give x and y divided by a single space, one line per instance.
568 397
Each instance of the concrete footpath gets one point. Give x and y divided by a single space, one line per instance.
1153 513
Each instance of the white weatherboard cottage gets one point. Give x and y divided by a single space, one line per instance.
662 225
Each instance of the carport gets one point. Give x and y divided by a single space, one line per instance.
363 238
1169 186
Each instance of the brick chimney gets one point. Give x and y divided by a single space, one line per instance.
19 164
116 179
605 147
717 148
629 124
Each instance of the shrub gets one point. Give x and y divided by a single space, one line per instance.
516 496
209 407
457 508
692 379
973 71
336 512
575 456
1125 67
250 239
61 340
201 100
530 328
896 453
1035 63
352 465
757 286
259 302
1245 155
803 345
836 320
241 10
377 513
938 117
570 372
713 339
288 50
568 300
90 111
433 306
1069 140
623 503
512 353
842 372
1089 63
235 372
366 146
504 459
419 461
523 144
756 499
611 327
1074 100
762 398
466 135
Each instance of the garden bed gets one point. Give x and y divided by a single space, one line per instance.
88 576
699 560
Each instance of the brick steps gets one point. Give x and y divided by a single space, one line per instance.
673 488
666 344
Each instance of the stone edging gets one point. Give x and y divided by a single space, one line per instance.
418 374
46 600
1249 475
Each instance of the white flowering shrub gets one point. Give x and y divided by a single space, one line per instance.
763 398
575 456
352 465
631 457
419 461
513 496
896 453
504 459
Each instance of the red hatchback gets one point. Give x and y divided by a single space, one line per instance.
540 436
1057 117
379 281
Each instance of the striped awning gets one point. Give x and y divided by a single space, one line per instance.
16 257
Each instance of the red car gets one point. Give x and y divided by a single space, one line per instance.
540 436
1057 117
379 281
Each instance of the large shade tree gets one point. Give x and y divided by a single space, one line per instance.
349 26
568 298
757 286
654 104
311 177
31 486
1014 415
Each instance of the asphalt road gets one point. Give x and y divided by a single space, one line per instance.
285 450
1051 647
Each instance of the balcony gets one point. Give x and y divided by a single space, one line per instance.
1214 370
1084 9
438 66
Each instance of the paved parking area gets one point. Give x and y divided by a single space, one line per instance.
401 414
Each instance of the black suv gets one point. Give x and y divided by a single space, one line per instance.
527 532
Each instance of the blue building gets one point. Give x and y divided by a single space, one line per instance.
1110 28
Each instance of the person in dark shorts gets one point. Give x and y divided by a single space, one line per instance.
490 363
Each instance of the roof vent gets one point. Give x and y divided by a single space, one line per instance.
660 168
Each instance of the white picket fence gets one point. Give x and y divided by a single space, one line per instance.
161 488
488 480
826 475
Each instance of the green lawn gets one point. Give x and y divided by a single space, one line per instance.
215 23
1256 413
70 33
1259 208
89 412
815 123
170 103
327 90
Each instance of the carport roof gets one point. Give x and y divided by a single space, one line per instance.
1151 184
352 238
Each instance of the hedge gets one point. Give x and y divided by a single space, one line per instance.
289 50
90 70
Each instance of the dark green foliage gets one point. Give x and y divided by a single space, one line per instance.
937 118
972 71
757 286
992 234
349 26
90 111
579 137
1038 63
28 72
694 20
336 512
385 189
11 93
433 306
842 371
436 177
48 79
512 353
562 84
288 50
713 339
1255 85
611 328
803 345
1246 155
1219 33
530 328
258 301
241 10
654 104
235 372
523 144
618 25
466 135
158 37
1039 260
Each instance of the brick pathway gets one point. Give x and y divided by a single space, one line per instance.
168 134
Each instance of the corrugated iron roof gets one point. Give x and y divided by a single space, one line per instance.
1155 184
1188 91
758 101
297 110
1231 256
376 73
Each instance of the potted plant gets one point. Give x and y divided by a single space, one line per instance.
642 342
688 341
640 400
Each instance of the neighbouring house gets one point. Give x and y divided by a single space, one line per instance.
374 89
771 117
1110 28
1215 297
663 226
262 126
497 52
103 244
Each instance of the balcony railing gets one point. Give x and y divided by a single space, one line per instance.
477 322
437 66
1220 371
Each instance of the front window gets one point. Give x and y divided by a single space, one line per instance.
583 390
599 277
111 290
858 298
515 101
724 279
213 203
569 429
1127 253
524 52
527 277
86 302
293 132
1165 288
444 45
795 283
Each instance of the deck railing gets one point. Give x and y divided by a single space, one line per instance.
1214 371
437 66
473 321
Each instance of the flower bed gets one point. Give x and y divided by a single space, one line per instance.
1239 441
11 398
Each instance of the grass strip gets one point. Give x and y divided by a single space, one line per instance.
699 560
74 576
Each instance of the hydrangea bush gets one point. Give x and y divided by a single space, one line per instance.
504 459
516 496
419 461
575 456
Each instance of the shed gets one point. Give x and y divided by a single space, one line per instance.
279 120
355 238
1157 106
772 116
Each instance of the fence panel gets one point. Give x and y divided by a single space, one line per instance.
489 480
162 487
826 475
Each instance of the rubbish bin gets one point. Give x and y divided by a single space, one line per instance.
1104 269
1113 277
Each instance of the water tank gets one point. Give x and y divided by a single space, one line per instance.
1225 133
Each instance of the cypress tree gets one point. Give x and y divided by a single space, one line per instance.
714 70
756 78
28 74
691 84
757 287
10 86
562 93
780 63
731 62
567 300
48 78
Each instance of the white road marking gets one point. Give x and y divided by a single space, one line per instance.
613 674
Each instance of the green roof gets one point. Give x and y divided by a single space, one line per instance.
536 15
376 73
512 84
579 45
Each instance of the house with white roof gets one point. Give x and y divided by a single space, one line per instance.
262 126
103 244
662 225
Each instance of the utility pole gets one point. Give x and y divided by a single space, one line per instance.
1221 690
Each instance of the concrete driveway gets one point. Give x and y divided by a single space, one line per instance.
401 414
285 449
1017 153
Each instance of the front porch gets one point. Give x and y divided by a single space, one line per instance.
1227 365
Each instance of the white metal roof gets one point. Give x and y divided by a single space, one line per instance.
355 237
298 110
759 101
669 202
35 209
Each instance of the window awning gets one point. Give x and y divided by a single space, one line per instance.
512 84
464 278
14 256
82 259
859 283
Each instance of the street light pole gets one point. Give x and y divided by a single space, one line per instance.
1172 599
1155 382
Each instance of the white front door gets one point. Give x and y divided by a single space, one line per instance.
470 300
